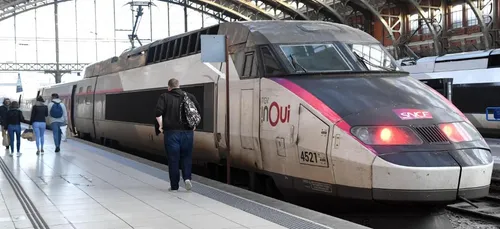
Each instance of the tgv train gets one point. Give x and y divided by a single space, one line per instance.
315 107
476 78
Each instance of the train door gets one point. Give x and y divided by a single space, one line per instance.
249 124
72 110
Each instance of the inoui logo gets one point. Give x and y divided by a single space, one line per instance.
409 114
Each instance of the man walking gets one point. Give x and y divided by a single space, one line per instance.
177 116
3 112
57 118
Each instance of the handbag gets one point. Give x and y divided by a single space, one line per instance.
28 135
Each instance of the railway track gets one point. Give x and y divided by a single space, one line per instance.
488 208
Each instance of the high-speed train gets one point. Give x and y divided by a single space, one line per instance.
476 83
315 107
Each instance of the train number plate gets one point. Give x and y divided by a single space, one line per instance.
313 158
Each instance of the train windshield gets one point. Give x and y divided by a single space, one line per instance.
315 57
338 57
374 57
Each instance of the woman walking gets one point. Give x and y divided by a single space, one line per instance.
38 114
13 120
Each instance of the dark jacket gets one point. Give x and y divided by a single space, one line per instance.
38 113
3 112
13 117
168 106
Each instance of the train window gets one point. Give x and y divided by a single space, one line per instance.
184 46
494 61
151 55
314 57
157 53
177 48
164 50
88 95
193 41
115 110
171 48
198 43
80 90
271 66
247 70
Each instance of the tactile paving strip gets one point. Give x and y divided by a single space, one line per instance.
268 213
265 212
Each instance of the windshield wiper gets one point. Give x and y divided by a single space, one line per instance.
295 64
365 61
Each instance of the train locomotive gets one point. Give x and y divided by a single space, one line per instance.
315 107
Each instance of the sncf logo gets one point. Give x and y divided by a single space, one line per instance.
409 114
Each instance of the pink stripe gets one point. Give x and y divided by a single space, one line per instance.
319 106
310 99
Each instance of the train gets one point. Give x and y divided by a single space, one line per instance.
476 82
318 108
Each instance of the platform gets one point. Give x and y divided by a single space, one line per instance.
90 186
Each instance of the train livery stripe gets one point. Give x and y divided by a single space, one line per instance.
319 106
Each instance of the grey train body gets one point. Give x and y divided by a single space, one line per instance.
293 127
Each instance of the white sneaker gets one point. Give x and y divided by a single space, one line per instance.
189 186
170 190
19 154
10 154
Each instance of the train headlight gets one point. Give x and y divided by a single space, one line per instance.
386 135
460 132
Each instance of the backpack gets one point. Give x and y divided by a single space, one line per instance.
56 111
192 116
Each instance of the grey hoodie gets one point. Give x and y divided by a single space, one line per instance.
64 118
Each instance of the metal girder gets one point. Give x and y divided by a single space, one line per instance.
20 6
282 9
218 11
428 21
247 8
485 28
210 7
331 11
391 23
40 67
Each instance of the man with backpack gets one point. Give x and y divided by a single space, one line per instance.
57 118
177 115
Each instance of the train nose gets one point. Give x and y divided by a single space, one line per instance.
424 154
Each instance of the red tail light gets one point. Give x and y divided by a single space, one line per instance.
386 135
459 131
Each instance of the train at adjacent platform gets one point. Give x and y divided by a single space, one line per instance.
316 107
476 83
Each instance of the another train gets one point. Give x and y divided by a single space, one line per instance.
316 108
476 83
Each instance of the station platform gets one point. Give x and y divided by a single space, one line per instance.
90 186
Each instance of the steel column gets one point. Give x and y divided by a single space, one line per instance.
435 36
484 28
57 73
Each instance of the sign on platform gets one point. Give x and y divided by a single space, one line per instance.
19 85
213 48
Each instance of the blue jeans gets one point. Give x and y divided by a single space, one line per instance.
56 131
179 147
14 129
39 129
